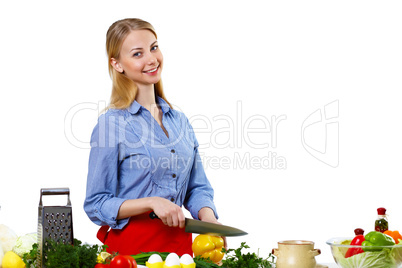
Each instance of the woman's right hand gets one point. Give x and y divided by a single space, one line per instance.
170 213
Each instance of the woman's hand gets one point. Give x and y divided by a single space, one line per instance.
170 213
207 214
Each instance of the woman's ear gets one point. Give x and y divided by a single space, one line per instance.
116 65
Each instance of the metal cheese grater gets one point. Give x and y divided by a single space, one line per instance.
54 222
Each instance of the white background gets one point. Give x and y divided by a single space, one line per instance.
260 59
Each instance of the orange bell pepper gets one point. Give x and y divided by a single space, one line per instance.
395 235
208 246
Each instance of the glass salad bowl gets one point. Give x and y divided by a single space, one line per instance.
365 257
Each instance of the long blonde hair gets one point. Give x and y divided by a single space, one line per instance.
124 90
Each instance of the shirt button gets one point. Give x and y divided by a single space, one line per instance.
174 175
172 151
172 199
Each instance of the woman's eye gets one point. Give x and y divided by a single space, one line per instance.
137 54
154 48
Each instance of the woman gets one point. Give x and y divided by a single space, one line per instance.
144 154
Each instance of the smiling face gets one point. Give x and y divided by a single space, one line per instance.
140 58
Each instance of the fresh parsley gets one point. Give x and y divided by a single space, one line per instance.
236 259
204 263
61 255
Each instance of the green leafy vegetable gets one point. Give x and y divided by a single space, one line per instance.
201 262
24 243
30 259
61 255
87 255
236 259
377 259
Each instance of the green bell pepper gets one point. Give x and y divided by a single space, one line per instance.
374 238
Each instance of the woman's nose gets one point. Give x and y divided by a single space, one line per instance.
152 59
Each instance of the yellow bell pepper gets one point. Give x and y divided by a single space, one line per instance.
208 246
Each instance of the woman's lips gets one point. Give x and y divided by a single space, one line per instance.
152 71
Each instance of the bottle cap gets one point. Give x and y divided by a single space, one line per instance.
359 231
381 211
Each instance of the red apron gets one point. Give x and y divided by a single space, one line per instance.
143 234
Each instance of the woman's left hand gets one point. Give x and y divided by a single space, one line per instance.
207 214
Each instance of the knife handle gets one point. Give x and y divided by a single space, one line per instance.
152 215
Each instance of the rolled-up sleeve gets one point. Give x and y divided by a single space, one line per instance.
200 193
101 201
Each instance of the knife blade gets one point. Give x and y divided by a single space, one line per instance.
202 227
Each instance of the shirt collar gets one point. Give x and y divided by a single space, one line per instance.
163 104
135 107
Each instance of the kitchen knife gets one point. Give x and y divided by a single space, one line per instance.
202 227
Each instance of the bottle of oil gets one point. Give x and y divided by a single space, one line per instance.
381 224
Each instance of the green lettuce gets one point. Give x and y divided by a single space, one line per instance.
24 243
374 259
396 254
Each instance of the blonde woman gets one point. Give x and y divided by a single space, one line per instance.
144 155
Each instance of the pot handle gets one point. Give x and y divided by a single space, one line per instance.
275 251
315 252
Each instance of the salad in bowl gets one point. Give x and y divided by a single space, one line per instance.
373 250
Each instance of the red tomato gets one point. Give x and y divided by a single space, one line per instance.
123 261
101 265
133 262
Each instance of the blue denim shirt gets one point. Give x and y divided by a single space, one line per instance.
131 157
